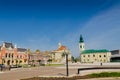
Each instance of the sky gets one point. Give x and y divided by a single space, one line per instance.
42 24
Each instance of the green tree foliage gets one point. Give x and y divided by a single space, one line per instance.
63 55
73 59
37 51
39 61
49 60
29 51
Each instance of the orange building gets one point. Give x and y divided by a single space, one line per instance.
11 55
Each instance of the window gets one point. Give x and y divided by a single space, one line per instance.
80 46
83 55
93 55
6 55
104 55
84 60
99 55
12 55
12 61
20 56
104 60
88 55
9 55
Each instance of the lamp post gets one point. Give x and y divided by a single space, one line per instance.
67 71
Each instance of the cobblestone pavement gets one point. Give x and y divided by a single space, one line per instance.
21 73
17 74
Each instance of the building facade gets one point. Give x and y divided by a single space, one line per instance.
59 55
115 56
91 56
11 55
36 58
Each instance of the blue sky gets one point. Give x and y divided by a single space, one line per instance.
42 24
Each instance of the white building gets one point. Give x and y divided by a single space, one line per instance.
91 55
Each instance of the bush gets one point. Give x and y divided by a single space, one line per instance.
105 74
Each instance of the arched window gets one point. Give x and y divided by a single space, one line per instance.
6 55
9 55
20 56
104 55
17 56
88 55
12 55
80 46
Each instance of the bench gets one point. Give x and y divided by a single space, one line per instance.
91 68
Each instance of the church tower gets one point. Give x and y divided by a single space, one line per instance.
81 44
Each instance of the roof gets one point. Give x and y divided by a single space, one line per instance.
21 49
81 39
62 48
94 51
7 45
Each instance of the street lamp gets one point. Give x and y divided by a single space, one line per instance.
66 53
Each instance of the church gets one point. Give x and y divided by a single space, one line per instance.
59 56
92 55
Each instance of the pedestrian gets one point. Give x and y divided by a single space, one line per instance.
101 64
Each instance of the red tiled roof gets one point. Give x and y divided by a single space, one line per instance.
62 48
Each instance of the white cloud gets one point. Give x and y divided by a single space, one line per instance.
100 32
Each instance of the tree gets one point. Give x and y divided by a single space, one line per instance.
63 55
33 62
49 60
73 59
37 51
20 61
16 62
77 59
29 51
39 61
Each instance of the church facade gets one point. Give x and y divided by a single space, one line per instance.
59 55
91 55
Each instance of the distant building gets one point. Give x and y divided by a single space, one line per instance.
59 54
91 56
11 55
38 57
115 56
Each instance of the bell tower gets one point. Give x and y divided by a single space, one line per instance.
81 44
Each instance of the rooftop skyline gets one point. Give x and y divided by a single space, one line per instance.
38 24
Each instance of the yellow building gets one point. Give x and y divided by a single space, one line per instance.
91 56
59 54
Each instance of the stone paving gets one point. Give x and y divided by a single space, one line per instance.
17 74
20 73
